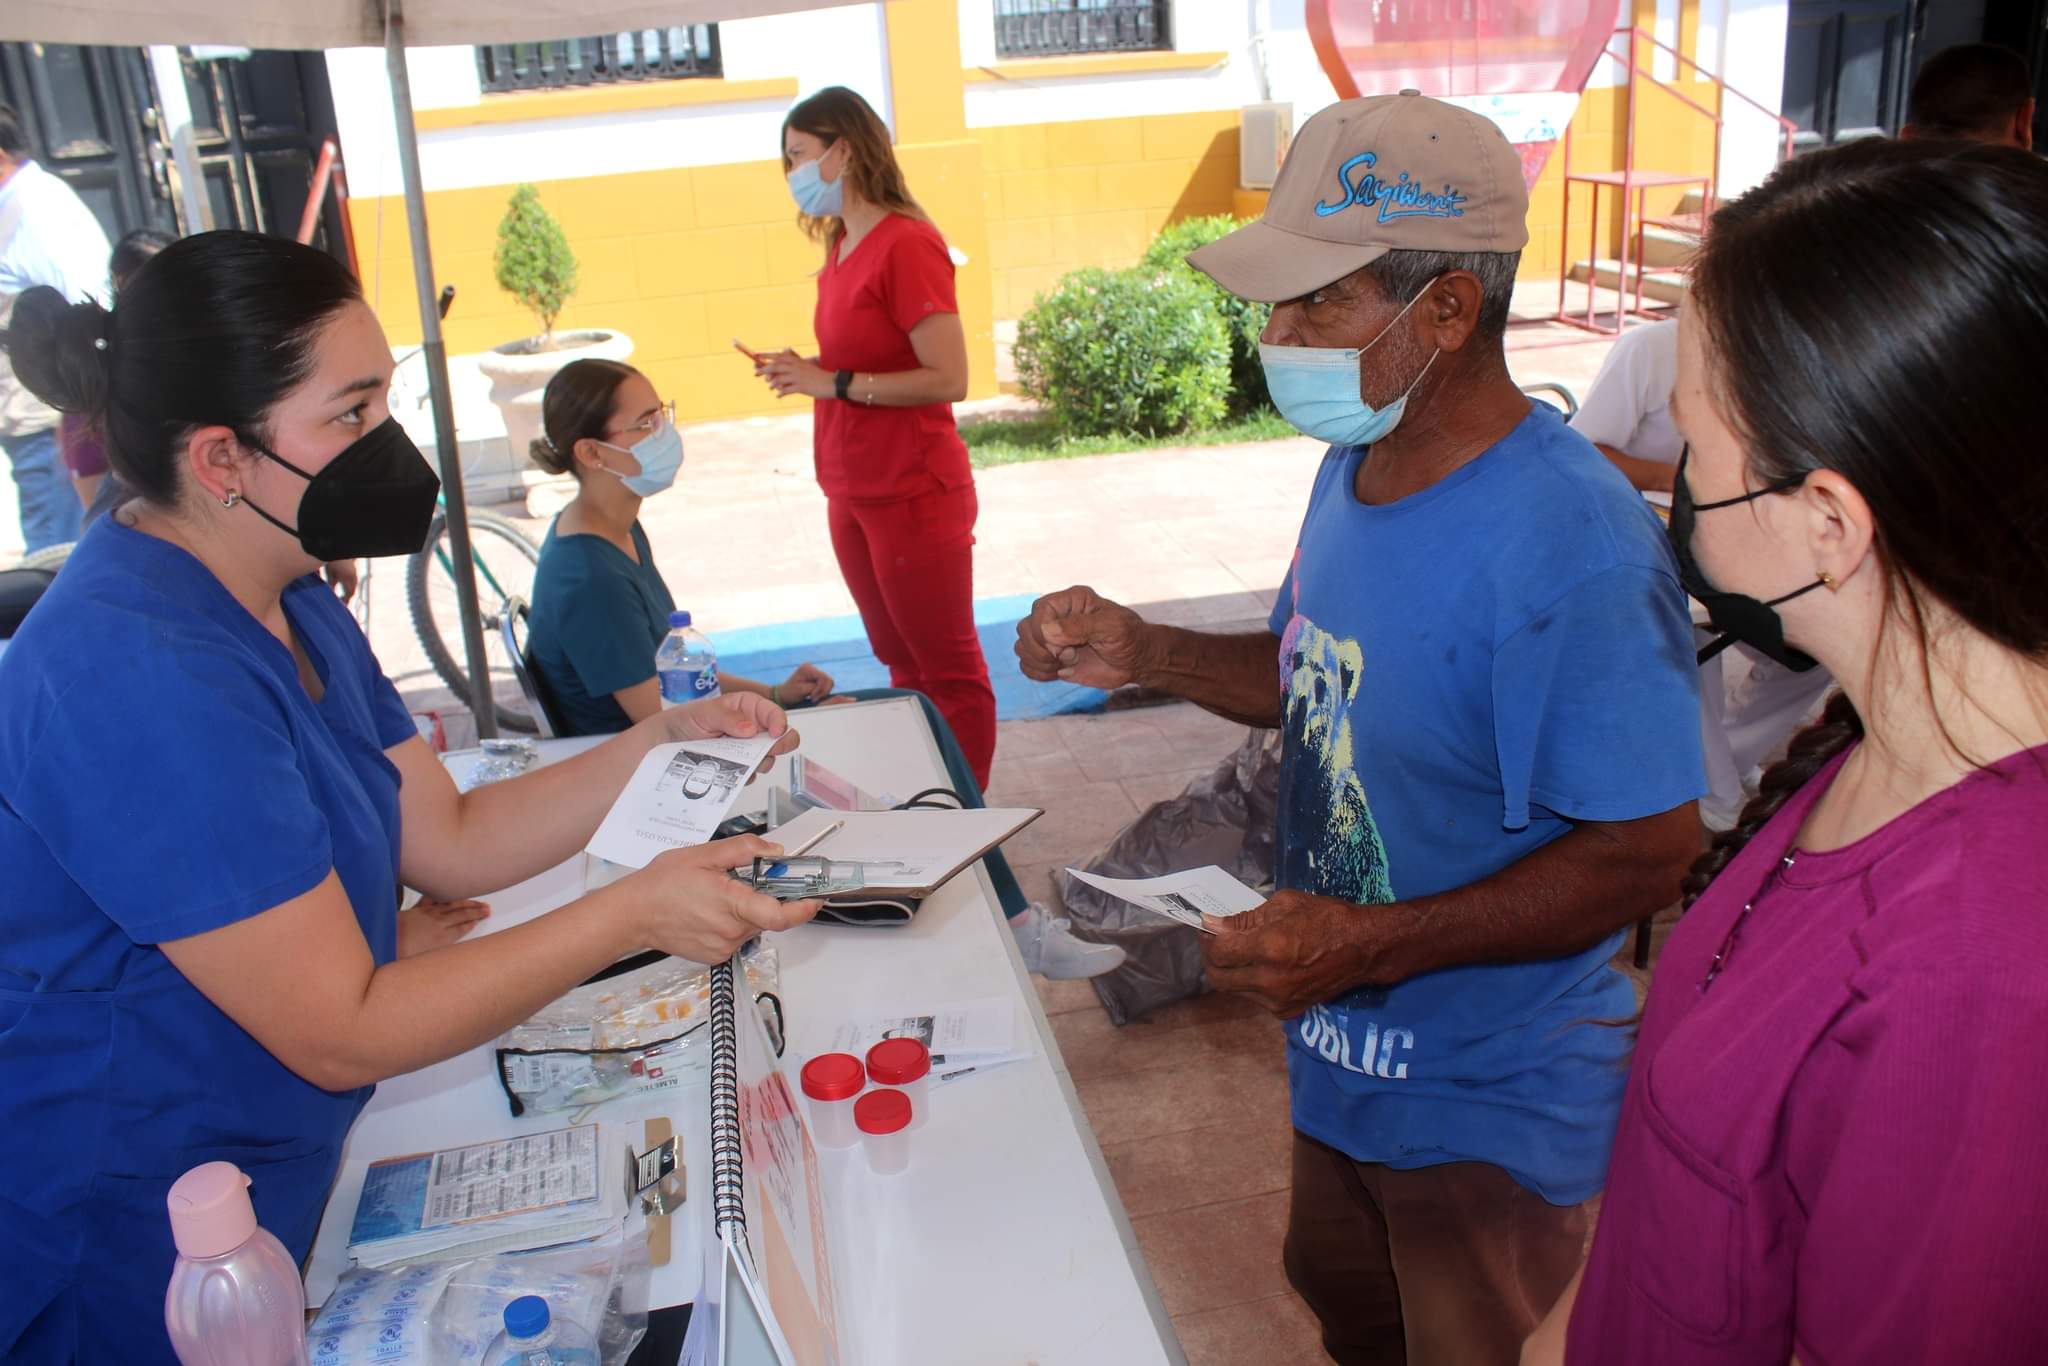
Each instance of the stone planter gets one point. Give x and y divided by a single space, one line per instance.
519 375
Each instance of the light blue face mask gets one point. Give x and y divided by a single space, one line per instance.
815 196
1316 388
660 454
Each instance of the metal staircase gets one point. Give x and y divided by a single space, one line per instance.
1655 250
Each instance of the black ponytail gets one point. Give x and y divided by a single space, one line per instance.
1808 753
219 328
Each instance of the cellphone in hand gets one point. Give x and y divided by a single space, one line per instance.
755 356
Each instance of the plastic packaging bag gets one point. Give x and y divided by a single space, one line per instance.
1226 818
429 1313
641 1031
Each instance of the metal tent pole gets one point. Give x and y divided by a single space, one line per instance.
436 355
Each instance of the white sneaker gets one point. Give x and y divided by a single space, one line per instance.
1051 950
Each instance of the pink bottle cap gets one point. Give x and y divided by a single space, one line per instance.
833 1076
882 1112
898 1062
210 1210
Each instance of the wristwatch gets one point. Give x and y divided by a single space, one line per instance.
840 382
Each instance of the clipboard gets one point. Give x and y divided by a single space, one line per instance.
930 847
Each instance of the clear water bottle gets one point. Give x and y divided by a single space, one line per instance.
532 1338
685 663
235 1297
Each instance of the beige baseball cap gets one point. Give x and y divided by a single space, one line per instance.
1366 177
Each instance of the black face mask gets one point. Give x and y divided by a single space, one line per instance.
1737 616
375 498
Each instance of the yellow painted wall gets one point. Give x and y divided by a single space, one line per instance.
1095 192
682 261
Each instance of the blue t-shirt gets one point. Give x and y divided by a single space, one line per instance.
1465 673
164 773
596 621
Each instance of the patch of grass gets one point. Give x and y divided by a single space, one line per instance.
1017 440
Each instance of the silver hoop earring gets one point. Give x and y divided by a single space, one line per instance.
232 499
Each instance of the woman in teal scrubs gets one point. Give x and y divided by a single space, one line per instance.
601 610
210 797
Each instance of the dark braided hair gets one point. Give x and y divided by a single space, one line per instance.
1808 753
1880 309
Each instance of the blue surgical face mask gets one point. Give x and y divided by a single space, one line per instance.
815 196
1316 388
660 454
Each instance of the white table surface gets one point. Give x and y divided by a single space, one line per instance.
1004 1243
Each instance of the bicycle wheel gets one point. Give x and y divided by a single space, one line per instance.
504 558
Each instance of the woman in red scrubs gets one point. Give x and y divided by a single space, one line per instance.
892 360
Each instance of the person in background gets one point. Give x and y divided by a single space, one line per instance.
1483 672
47 237
199 933
1975 92
1749 703
1627 412
1830 1148
601 609
83 452
892 360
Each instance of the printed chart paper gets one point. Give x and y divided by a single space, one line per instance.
676 798
1185 897
963 1037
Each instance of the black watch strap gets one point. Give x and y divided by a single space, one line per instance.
841 381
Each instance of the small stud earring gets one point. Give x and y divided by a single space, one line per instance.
1827 579
233 498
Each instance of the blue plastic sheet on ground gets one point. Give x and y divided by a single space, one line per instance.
839 646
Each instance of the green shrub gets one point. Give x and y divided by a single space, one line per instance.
1244 319
1140 352
533 260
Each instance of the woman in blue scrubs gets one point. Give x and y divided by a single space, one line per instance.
210 796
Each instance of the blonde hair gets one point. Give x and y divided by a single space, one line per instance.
836 114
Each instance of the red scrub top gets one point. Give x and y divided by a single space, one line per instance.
896 277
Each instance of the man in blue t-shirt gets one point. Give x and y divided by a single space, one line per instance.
1486 686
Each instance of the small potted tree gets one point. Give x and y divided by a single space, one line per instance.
535 266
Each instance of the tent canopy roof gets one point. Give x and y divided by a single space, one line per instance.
309 24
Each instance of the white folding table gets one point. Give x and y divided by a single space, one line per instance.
1005 1243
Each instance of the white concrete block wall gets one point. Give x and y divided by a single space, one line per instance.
843 46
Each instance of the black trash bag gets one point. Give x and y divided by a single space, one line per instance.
1226 818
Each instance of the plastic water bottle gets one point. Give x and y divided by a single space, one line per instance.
686 663
532 1339
235 1297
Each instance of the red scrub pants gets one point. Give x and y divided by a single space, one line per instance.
909 564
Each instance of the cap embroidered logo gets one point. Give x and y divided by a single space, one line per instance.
1412 199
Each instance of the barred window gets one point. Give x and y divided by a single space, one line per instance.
1046 28
653 54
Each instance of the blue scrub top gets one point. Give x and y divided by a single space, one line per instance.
597 619
164 773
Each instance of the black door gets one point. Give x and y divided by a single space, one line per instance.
1846 63
84 109
258 122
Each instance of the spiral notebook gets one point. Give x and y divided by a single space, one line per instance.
767 1297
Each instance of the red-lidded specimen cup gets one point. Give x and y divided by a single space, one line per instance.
832 1081
905 1065
883 1117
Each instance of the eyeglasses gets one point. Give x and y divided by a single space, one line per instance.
650 424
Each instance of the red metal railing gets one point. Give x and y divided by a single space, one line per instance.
1628 180
328 175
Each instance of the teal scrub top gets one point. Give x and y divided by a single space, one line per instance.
164 773
596 621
